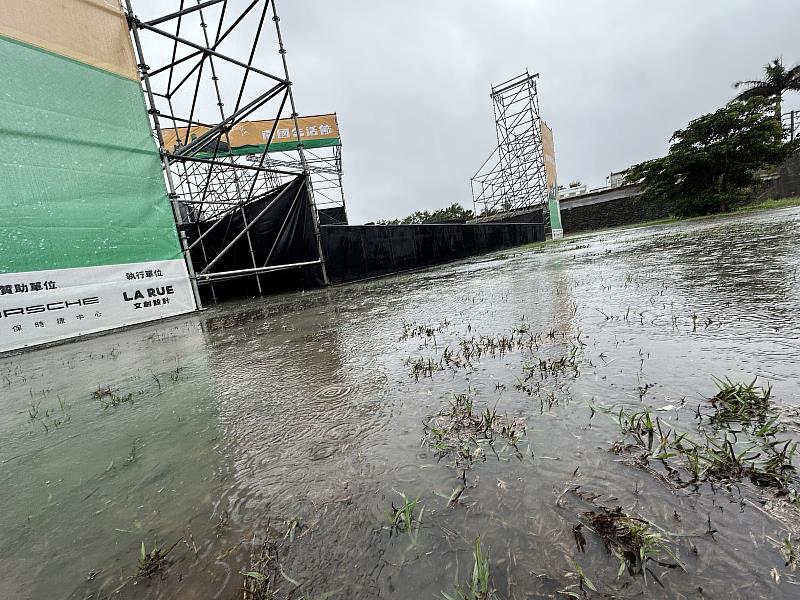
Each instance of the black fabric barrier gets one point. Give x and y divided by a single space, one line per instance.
360 252
290 214
332 216
351 252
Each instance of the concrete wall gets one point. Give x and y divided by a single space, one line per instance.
617 206
603 208
613 208
360 252
787 182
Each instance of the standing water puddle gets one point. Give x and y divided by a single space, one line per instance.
512 396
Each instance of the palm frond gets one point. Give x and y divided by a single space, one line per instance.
777 75
793 78
777 79
758 89
748 84
793 72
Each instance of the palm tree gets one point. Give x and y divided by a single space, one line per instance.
777 81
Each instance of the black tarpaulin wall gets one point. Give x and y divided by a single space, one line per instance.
335 215
352 253
361 252
286 229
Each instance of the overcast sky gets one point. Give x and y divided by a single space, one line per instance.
410 81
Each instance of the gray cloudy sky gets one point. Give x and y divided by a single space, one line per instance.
410 81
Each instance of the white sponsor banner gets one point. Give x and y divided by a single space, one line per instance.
45 306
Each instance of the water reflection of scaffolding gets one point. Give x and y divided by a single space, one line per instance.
201 80
513 177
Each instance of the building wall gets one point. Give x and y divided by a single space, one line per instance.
787 183
616 205
610 207
612 213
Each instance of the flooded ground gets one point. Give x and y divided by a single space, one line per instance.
302 419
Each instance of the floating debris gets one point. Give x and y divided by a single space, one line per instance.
152 562
632 540
110 398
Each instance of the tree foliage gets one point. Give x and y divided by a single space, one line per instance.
454 212
712 164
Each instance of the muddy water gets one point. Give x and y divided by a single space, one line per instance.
302 407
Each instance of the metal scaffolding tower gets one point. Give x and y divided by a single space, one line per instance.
208 69
513 177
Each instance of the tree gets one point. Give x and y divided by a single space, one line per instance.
454 212
713 162
777 81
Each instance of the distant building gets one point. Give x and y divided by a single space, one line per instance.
615 180
575 188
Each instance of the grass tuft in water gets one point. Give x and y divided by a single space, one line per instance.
412 330
743 403
421 367
153 561
720 454
175 374
480 587
50 418
461 430
788 551
259 580
544 367
583 580
262 577
293 525
402 518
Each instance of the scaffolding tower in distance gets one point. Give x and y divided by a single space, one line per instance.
206 68
513 177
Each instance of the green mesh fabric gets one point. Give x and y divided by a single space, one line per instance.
80 176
